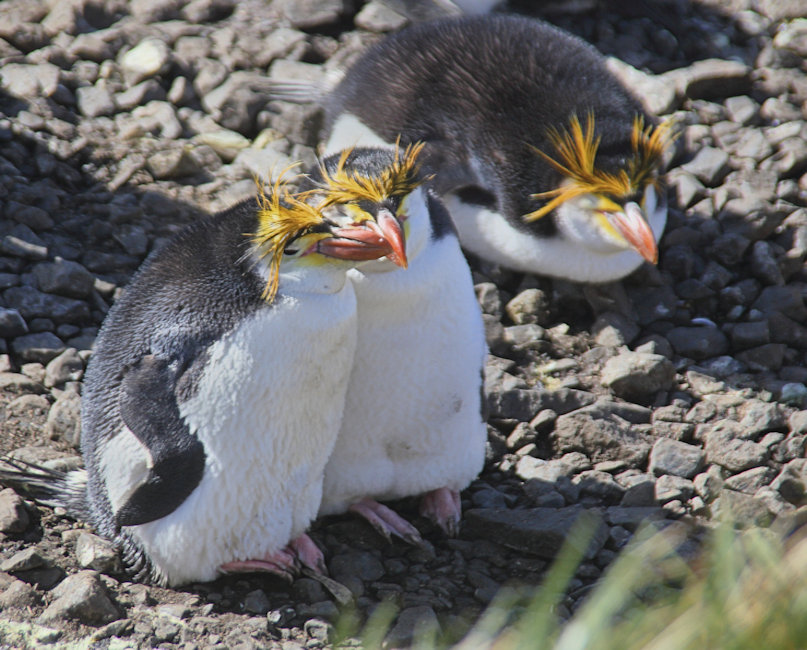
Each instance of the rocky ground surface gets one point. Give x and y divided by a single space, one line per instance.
673 396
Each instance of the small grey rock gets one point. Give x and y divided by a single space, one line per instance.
709 483
360 564
13 514
610 438
709 166
637 374
742 509
541 531
81 596
529 306
698 342
525 337
146 59
24 560
669 488
257 602
725 446
308 14
14 382
68 366
94 101
64 418
639 491
675 458
32 303
172 163
750 480
64 277
12 324
41 347
600 485
20 595
412 624
712 79
94 552
749 335
613 329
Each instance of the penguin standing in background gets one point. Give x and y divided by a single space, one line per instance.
413 423
215 394
545 162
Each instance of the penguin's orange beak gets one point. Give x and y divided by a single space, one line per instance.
365 241
390 228
632 225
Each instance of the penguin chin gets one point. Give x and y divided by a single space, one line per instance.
579 223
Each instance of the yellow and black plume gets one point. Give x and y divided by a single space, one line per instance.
281 216
343 186
576 153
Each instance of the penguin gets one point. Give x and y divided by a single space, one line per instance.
215 393
546 163
413 423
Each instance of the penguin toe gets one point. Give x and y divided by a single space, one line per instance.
443 507
388 522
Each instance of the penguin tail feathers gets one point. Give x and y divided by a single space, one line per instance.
296 92
47 486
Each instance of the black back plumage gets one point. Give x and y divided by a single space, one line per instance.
492 85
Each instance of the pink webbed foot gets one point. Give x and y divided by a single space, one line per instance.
443 507
285 562
387 521
281 563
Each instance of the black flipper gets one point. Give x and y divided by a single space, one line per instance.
149 408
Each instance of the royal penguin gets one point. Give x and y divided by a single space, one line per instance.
545 161
413 422
215 394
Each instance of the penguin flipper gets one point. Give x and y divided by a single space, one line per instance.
449 174
148 407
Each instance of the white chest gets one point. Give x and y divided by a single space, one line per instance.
267 410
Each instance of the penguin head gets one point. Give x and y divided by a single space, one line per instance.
295 236
604 207
378 189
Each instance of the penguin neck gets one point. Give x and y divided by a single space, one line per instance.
308 275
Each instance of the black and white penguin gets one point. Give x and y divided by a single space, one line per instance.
215 393
413 423
545 161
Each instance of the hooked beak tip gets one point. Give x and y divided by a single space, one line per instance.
632 225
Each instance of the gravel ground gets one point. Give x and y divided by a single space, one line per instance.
672 396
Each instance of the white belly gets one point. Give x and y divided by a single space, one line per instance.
267 410
412 415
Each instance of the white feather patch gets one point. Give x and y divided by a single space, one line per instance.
124 464
412 416
349 131
267 409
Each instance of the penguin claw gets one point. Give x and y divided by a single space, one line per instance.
442 506
308 554
387 522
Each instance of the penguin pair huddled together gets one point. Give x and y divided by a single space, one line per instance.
275 362
546 163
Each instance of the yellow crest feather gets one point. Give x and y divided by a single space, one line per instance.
577 150
281 216
400 178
